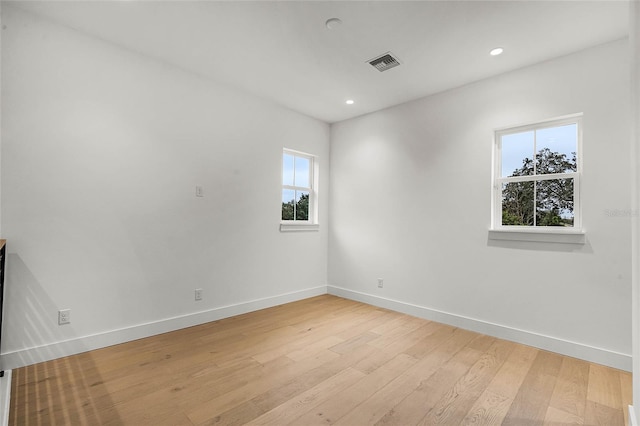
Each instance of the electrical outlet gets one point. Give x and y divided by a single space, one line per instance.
380 283
198 293
64 316
199 191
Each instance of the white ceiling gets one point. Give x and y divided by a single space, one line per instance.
282 51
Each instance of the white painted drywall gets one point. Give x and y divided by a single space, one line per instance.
634 53
102 151
5 382
411 200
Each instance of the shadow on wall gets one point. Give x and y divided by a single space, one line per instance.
40 390
585 248
30 316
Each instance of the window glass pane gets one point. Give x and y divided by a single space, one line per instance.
288 204
302 205
302 172
517 154
554 202
556 149
287 170
517 204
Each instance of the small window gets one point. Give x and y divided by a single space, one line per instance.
537 176
298 192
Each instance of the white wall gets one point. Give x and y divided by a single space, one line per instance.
102 150
410 203
634 53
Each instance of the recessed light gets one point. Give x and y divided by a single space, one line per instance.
349 102
333 23
497 51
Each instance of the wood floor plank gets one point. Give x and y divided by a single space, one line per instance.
280 393
388 352
604 386
557 417
277 395
239 415
570 393
256 344
340 404
323 360
313 348
532 400
455 404
489 409
277 387
482 343
385 399
286 346
373 319
337 319
388 327
492 406
354 342
208 403
160 404
602 415
398 334
425 345
292 409
412 409
508 381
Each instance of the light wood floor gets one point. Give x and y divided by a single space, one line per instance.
324 360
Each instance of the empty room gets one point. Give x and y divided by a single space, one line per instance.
319 212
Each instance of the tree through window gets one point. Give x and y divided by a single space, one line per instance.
537 175
297 186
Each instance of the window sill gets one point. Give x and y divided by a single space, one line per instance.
299 227
577 236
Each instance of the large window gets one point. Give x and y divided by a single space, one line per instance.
298 195
537 176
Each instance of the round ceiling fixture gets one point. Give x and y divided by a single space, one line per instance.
349 102
497 51
333 23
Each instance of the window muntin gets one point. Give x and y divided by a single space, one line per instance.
536 185
297 187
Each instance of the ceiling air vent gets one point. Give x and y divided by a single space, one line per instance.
384 62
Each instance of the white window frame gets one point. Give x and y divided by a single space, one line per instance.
312 223
498 231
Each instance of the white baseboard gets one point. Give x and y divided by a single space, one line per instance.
632 417
81 344
5 397
564 347
20 358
